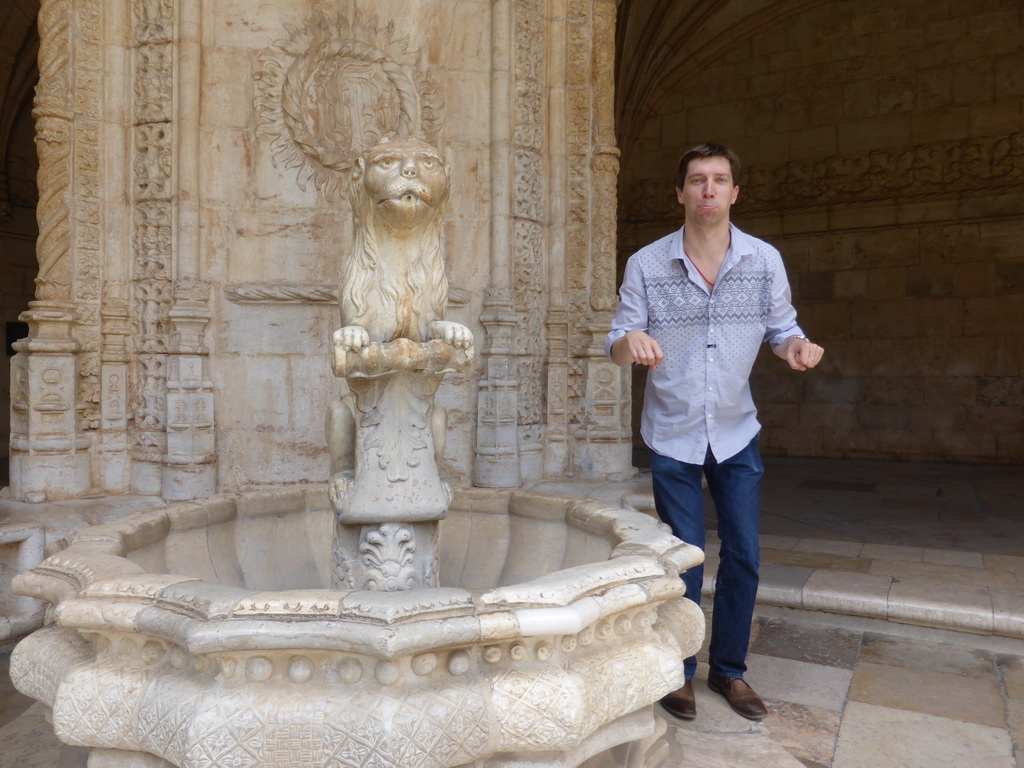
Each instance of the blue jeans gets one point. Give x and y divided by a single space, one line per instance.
735 486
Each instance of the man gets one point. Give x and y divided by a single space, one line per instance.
695 307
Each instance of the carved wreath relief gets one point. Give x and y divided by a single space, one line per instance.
337 88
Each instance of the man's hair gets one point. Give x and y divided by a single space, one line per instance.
703 152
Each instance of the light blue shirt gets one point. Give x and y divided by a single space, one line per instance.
700 394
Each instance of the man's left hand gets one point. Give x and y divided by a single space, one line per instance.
801 354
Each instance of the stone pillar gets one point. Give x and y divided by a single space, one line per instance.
190 462
49 458
605 444
112 455
497 430
556 445
389 503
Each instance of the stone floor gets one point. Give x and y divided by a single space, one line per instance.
890 629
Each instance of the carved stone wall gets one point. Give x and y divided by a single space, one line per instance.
884 156
191 234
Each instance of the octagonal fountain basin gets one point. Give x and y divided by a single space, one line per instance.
201 634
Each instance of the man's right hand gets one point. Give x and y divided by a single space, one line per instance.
637 347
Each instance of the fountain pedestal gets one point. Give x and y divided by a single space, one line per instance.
388 505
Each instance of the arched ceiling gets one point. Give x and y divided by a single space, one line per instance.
661 44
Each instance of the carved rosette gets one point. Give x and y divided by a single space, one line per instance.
334 89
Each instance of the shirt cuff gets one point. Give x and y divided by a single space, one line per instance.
615 335
781 337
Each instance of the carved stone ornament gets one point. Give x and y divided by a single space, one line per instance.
336 88
388 552
939 170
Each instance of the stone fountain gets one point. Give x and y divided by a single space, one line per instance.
441 628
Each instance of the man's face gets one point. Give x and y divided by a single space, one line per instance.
708 192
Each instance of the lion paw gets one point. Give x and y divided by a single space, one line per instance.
456 334
351 338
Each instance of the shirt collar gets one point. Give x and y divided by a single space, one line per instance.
740 244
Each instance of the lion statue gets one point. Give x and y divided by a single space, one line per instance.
394 284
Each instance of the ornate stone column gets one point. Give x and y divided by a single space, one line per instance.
189 467
603 446
49 458
497 431
497 438
112 452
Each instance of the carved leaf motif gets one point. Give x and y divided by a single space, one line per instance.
388 553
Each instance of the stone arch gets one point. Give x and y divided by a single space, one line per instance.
884 155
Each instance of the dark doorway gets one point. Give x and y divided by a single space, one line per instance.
19 74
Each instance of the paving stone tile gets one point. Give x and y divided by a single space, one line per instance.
1015 721
714 714
892 552
844 548
1010 563
928 657
810 643
879 737
694 749
978 577
770 541
29 742
1011 669
971 700
807 733
815 560
12 702
953 557
859 594
797 682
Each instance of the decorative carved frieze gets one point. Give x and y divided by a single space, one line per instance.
930 171
529 205
153 168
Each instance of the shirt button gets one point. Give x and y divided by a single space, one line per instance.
711 389
711 359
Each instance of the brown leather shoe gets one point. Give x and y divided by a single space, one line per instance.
741 697
681 702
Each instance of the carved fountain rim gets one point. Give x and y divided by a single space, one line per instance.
95 587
